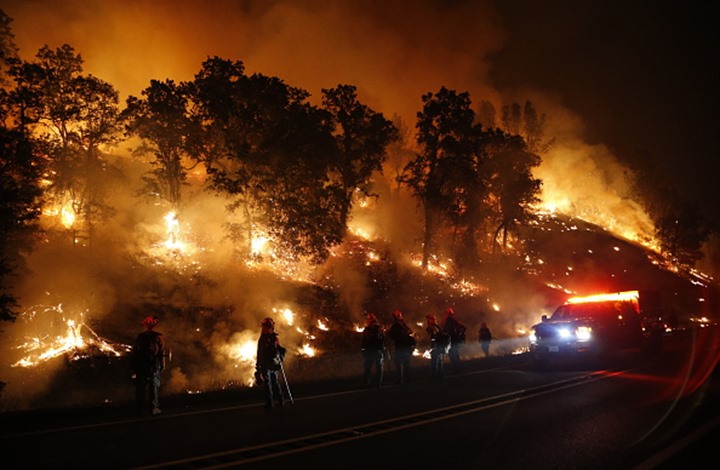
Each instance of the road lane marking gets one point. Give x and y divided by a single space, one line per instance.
183 414
271 450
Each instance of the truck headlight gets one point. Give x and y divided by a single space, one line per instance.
583 333
532 337
564 333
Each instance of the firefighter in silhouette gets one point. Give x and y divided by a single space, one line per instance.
484 338
402 337
147 362
439 345
456 330
269 359
373 350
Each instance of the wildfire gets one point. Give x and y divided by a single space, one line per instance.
259 245
267 256
286 314
173 232
307 350
40 349
245 351
175 250
442 269
65 213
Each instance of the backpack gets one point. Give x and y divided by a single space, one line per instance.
456 331
402 335
442 341
373 338
270 354
461 333
147 351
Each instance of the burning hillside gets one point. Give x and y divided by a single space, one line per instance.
210 314
222 195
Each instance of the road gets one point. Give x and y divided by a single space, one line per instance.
646 411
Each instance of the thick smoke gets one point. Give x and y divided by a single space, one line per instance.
392 52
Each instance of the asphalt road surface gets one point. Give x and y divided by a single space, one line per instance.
658 410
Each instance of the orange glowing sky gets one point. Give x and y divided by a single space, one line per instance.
609 81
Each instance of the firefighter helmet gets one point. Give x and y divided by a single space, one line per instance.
268 322
397 314
150 321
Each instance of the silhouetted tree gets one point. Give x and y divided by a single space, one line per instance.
511 118
487 115
446 170
266 147
512 188
362 137
680 227
519 120
73 117
21 170
161 119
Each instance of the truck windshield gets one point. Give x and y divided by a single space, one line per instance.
598 310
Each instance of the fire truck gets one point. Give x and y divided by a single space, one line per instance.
596 326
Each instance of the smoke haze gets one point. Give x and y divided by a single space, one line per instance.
394 52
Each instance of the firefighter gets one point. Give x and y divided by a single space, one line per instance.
484 338
373 350
439 344
456 330
402 337
148 362
269 359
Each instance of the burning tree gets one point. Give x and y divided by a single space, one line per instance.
446 170
513 189
292 168
470 177
72 118
362 136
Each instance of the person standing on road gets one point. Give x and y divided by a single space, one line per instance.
484 337
456 330
439 344
402 337
269 359
373 350
148 361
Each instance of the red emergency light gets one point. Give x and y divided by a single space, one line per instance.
625 296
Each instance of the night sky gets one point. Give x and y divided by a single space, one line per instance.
634 77
641 73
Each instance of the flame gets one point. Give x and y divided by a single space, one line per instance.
67 216
267 255
174 250
259 245
245 352
287 315
172 228
40 349
631 224
360 232
64 212
307 350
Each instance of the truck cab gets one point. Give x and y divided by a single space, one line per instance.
591 326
